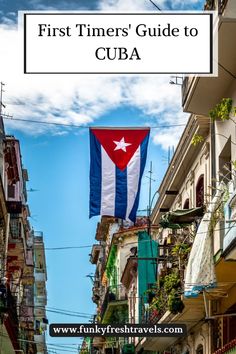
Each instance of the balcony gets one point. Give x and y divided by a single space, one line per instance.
11 157
211 5
229 242
11 322
41 301
95 253
26 314
40 277
229 348
130 270
165 298
167 305
114 308
39 338
14 207
195 90
165 295
40 343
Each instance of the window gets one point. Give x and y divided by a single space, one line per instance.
225 162
11 191
200 192
15 228
199 349
186 204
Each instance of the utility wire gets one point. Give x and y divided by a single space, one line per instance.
155 5
66 248
46 344
82 126
129 243
81 313
58 311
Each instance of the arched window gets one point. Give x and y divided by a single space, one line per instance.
186 204
199 349
200 192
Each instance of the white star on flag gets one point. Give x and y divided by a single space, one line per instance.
121 145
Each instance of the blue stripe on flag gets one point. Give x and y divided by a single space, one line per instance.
95 176
121 193
143 150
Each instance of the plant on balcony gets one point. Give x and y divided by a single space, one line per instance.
172 287
222 110
84 351
197 139
175 304
119 315
111 261
171 281
158 302
181 251
151 292
168 295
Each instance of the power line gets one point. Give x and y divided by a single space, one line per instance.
61 347
69 314
81 313
82 126
155 5
128 243
58 311
66 248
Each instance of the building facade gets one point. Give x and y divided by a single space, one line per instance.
192 238
201 175
18 293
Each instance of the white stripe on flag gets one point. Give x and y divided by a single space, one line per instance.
133 173
108 192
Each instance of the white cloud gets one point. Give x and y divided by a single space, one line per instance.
80 100
124 5
167 137
146 5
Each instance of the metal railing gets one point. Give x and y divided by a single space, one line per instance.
229 348
152 315
187 81
214 4
113 293
222 5
8 311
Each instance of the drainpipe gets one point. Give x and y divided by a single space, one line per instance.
210 337
6 245
213 158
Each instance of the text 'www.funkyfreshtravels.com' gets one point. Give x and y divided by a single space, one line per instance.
119 330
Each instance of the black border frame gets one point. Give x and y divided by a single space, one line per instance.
111 72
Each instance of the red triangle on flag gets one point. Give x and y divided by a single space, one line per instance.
120 144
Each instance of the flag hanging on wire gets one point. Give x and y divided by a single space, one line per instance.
117 162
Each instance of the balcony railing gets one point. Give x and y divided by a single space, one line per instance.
40 277
229 348
8 306
214 4
222 6
211 4
38 235
152 315
187 81
166 295
113 294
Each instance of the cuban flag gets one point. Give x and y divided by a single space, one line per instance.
118 158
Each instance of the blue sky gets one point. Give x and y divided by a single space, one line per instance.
57 158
